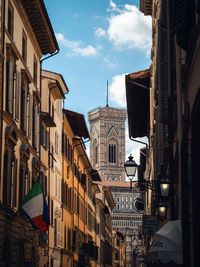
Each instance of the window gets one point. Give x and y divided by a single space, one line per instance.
56 143
112 153
26 102
12 83
10 20
24 46
35 126
43 183
35 70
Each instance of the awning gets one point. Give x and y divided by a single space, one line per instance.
137 96
77 123
167 244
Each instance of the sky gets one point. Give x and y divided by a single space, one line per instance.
99 40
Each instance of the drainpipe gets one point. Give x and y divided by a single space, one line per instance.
132 139
41 61
2 85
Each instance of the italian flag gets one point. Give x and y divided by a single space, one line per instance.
35 208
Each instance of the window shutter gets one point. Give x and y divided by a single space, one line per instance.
11 85
26 110
51 211
17 94
61 234
15 184
45 185
30 114
28 181
55 192
42 135
162 74
55 232
58 233
38 128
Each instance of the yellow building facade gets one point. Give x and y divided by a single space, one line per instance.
54 89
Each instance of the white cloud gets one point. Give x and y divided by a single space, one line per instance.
86 51
117 91
99 32
76 47
129 28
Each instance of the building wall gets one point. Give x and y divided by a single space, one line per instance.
20 165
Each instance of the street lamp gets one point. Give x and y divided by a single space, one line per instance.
164 186
130 168
162 208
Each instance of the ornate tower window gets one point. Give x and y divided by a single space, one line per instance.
112 153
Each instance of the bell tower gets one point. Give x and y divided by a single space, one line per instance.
107 142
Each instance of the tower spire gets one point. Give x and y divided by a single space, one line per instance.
107 95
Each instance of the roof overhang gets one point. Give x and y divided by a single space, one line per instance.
95 175
41 25
146 7
137 96
56 90
77 123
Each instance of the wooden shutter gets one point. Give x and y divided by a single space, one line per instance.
38 128
11 87
28 181
51 211
162 73
61 234
42 135
45 185
28 114
17 94
55 232
26 110
15 184
58 233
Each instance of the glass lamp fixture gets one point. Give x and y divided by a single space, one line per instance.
130 166
162 208
164 186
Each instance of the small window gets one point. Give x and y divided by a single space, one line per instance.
10 20
24 46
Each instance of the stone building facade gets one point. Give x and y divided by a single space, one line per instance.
107 145
107 155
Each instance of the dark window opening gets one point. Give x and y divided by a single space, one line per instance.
112 153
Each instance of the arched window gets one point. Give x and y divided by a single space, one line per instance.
112 153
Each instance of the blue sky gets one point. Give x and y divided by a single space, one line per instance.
99 40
